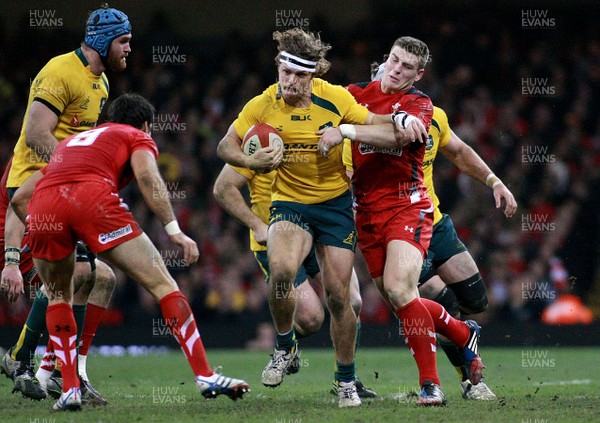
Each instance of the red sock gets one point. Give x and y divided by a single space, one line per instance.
419 336
453 329
49 359
179 318
62 330
93 317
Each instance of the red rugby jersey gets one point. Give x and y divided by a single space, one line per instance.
100 154
386 178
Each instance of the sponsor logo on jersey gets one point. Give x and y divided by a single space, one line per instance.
74 121
111 236
298 117
369 149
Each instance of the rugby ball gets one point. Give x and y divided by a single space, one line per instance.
260 136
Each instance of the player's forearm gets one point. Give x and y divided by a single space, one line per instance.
232 201
230 152
382 135
13 229
469 162
156 196
42 143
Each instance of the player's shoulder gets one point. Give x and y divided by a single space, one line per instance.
358 85
440 116
63 62
263 100
114 129
414 92
331 96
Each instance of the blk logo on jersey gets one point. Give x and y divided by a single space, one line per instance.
300 118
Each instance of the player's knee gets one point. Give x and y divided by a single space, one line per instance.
309 322
448 300
282 280
471 294
336 302
105 277
356 304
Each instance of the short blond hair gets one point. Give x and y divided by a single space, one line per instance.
416 47
306 45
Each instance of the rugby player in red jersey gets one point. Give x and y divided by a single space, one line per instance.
79 189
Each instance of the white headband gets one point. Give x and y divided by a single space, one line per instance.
297 63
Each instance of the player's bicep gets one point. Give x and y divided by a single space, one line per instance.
143 162
453 147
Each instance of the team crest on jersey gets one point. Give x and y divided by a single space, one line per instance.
396 106
369 149
429 143
85 104
350 239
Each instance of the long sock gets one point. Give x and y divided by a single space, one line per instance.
79 314
455 330
62 330
419 336
455 356
47 365
345 372
286 341
82 366
32 330
93 317
179 318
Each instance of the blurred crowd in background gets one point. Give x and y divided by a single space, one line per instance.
525 97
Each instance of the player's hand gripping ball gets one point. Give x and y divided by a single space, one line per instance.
260 136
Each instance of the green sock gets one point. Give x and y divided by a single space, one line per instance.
455 356
344 372
79 313
32 330
286 341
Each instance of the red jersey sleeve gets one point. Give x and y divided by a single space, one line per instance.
143 141
419 106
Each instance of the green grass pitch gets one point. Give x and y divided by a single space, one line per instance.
533 385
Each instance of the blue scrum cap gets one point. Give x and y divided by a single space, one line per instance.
103 26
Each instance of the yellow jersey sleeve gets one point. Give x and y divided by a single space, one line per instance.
347 155
439 136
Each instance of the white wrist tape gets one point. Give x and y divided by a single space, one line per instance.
403 119
492 181
172 228
348 131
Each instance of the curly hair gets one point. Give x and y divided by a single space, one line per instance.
306 45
